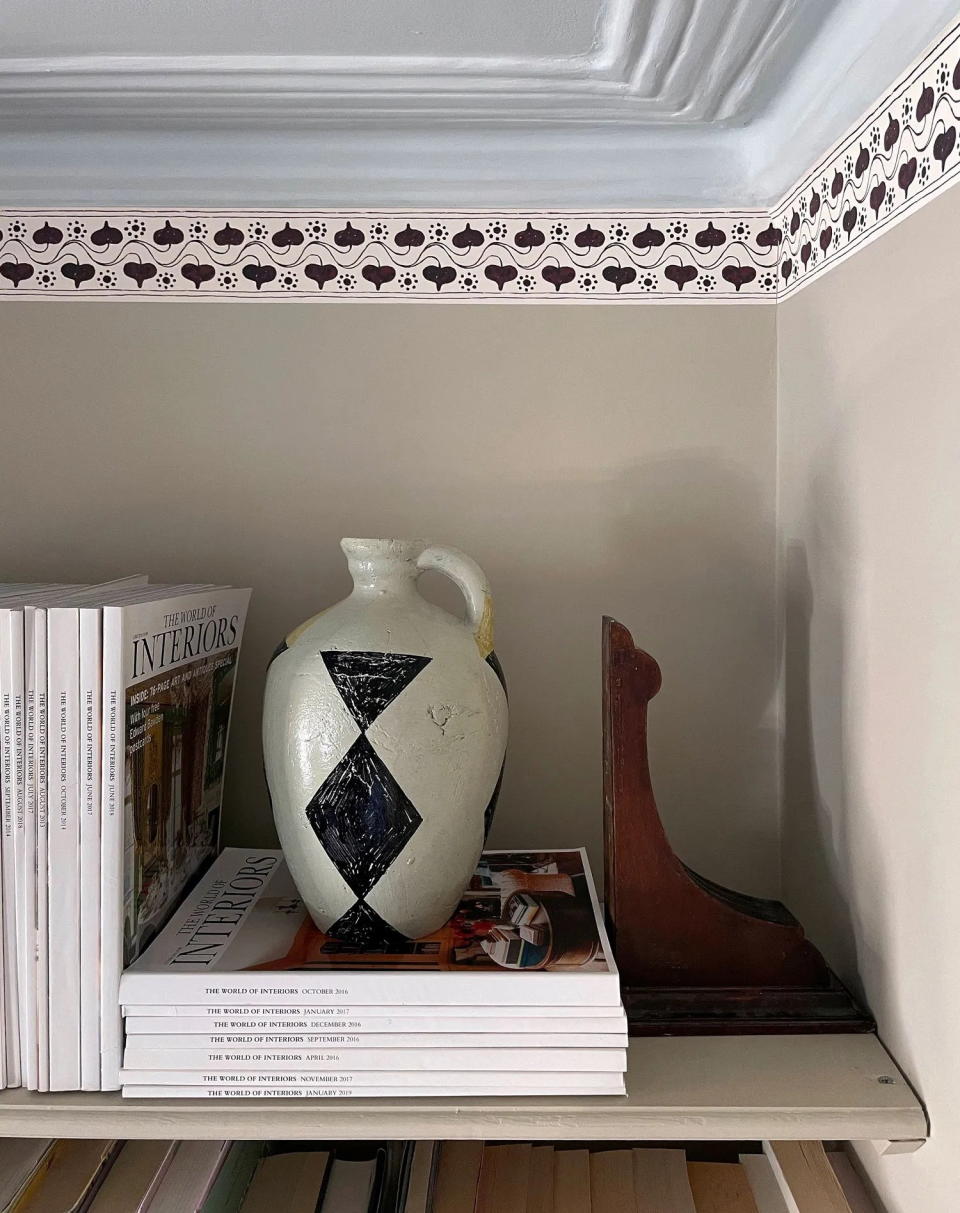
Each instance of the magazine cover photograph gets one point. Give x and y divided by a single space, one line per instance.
523 910
176 730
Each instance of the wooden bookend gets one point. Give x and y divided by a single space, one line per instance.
694 957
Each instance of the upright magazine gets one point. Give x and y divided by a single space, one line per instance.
527 931
74 661
169 670
33 906
19 876
12 795
114 710
48 863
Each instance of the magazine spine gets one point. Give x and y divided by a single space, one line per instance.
135 1090
27 941
381 1082
8 876
317 1092
230 1059
372 1018
63 828
111 849
394 1031
213 1042
89 826
41 792
21 884
291 989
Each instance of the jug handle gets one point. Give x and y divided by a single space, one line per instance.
473 584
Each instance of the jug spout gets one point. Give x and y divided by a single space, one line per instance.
383 566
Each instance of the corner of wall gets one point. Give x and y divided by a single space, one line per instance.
779 594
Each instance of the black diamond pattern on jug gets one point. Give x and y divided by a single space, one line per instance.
363 928
362 817
369 682
360 814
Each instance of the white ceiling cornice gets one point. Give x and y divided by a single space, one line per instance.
902 153
139 240
687 61
558 103
684 61
215 164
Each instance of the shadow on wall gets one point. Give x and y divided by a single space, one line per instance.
818 826
680 548
592 460
697 533
815 822
827 827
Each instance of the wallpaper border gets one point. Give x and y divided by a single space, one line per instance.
429 255
900 155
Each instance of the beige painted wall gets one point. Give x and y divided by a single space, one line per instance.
592 459
870 510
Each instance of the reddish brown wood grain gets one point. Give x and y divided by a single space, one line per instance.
691 953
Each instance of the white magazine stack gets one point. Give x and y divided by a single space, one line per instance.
114 710
241 995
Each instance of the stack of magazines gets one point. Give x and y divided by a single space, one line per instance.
241 995
114 709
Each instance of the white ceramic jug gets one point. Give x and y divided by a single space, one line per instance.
384 732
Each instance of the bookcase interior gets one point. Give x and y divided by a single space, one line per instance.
829 1087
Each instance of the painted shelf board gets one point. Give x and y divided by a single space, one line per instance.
707 1088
